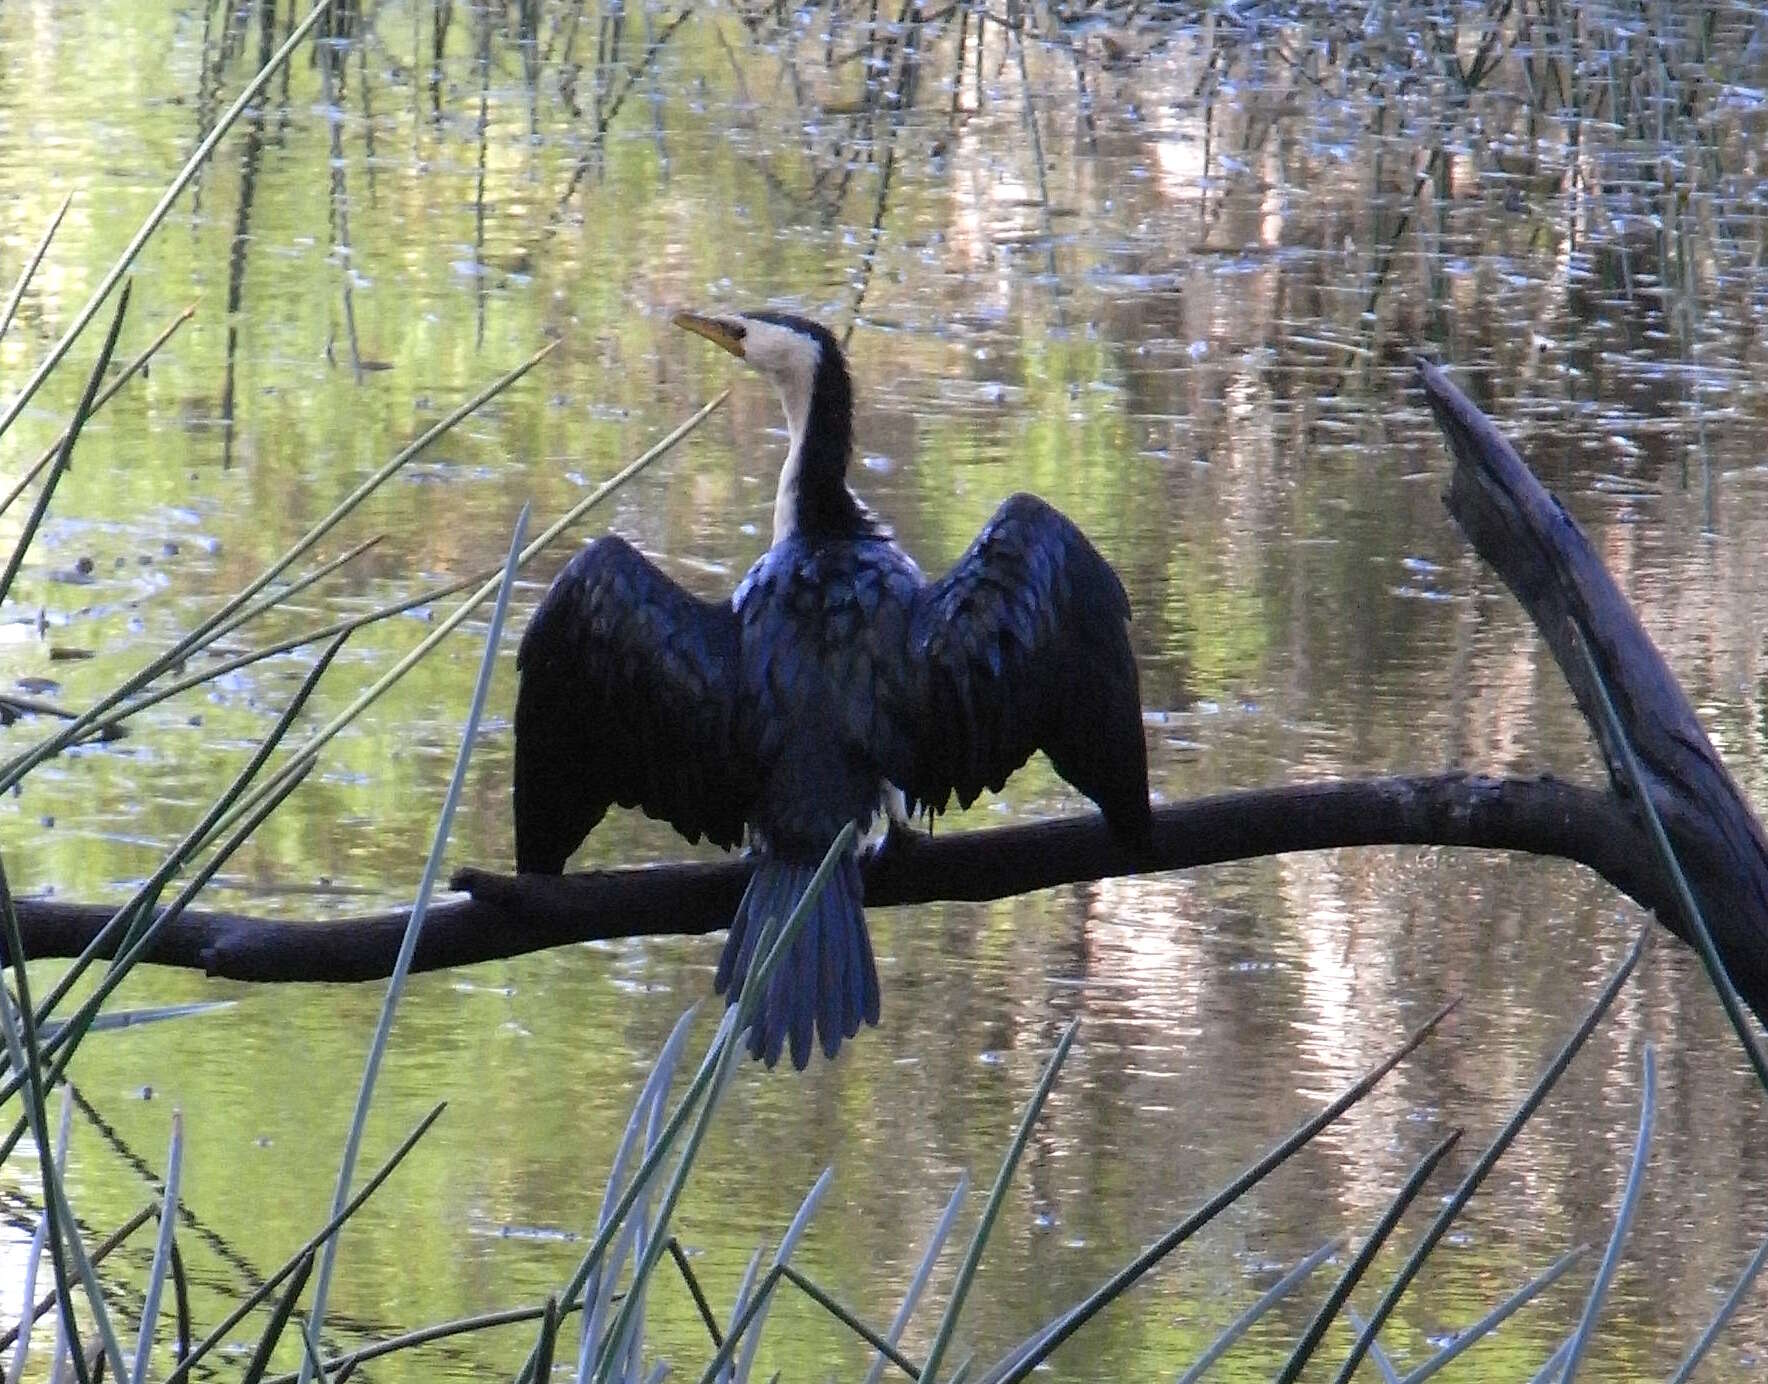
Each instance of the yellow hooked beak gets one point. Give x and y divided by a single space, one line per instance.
720 331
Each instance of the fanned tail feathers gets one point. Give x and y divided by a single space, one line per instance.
826 983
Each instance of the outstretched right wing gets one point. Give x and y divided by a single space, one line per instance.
627 695
1024 645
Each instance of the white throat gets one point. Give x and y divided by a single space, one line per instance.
794 387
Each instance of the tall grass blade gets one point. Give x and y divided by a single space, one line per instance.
1698 1351
342 1366
408 944
279 1319
594 1257
222 124
752 1304
1611 1257
162 1253
64 1232
136 1018
167 690
29 271
1703 937
64 454
1243 1323
788 1243
48 1301
826 1300
695 1291
122 377
1013 1369
1490 1155
1500 1314
300 1263
21 1045
600 1286
640 1219
205 630
301 583
1359 1323
598 1296
309 753
923 1271
549 1333
63 1128
1554 1361
311 1359
991 1209
723 1062
1365 1255
745 1287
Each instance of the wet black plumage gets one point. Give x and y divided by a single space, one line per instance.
834 670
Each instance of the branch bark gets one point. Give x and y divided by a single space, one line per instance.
509 915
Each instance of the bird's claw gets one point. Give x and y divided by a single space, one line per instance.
899 841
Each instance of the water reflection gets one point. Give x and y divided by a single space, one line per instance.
1184 324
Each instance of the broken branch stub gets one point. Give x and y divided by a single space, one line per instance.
1525 534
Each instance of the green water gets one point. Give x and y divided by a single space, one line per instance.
1168 336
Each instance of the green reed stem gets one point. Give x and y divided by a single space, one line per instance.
1473 1335
923 1271
162 1253
419 910
991 1209
841 1314
129 919
30 269
26 1060
1703 937
279 1320
1250 1317
1365 1255
110 391
1027 1358
1611 1257
99 1254
301 1261
1490 1155
64 454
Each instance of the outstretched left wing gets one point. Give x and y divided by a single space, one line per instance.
627 695
1023 646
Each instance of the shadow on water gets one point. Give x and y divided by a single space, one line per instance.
1163 266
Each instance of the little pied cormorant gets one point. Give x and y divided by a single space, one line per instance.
834 682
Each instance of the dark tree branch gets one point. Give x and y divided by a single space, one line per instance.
1513 523
1525 534
512 914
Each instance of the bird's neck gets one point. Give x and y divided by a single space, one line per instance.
813 500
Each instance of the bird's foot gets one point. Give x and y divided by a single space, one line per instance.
896 845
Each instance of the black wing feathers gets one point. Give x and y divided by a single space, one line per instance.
626 696
1024 645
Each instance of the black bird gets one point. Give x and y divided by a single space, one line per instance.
835 681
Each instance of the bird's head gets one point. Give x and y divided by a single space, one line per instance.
805 364
790 351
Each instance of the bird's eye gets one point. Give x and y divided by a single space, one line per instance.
738 331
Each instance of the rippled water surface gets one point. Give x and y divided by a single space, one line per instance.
1188 328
